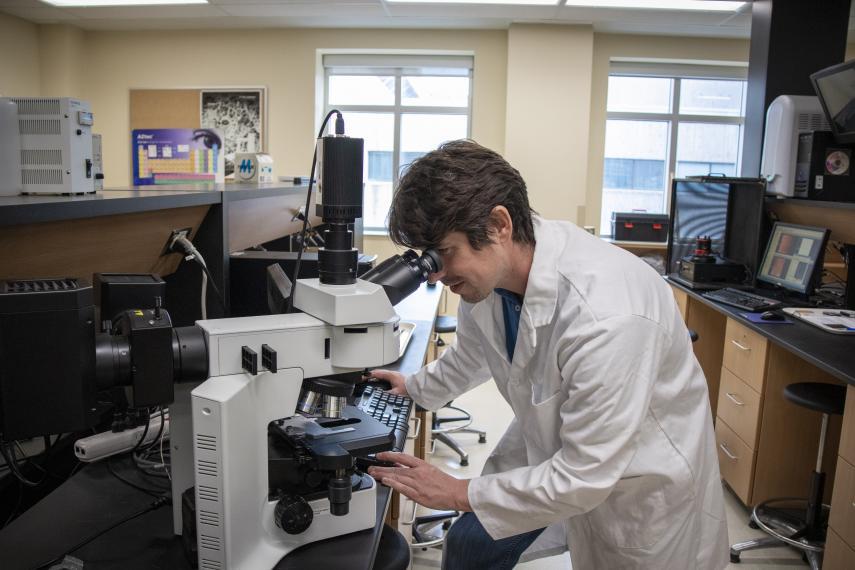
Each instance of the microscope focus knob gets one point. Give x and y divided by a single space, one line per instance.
293 514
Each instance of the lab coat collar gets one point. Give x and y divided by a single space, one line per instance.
541 298
541 293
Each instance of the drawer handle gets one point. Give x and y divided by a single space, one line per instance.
417 431
733 399
727 452
740 346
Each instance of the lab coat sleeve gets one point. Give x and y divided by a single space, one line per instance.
607 376
459 368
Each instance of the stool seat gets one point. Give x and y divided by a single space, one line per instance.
393 552
445 324
825 398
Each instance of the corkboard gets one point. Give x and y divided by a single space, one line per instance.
165 109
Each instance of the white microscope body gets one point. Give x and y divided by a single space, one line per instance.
344 328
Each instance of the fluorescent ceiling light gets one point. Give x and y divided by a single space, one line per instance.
518 2
99 3
696 5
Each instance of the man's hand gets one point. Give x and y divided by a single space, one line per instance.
395 379
422 482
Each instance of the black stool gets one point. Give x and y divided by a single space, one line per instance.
800 523
447 324
422 526
393 552
444 324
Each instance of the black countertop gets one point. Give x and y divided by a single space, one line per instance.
832 353
16 210
93 500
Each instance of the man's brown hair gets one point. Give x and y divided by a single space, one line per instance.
455 188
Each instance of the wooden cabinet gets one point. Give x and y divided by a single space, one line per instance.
745 354
739 407
735 460
842 516
840 543
838 554
767 445
682 302
709 324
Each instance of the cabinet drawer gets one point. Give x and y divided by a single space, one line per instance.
745 354
842 516
847 433
838 555
735 460
739 406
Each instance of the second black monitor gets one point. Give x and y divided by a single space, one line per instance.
794 256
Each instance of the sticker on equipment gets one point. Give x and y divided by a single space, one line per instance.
837 163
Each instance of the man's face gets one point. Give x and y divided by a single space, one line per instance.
471 273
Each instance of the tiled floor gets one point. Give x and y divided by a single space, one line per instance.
492 415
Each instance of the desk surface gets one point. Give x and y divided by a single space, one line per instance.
16 210
833 353
93 499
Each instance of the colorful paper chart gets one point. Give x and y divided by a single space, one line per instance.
177 156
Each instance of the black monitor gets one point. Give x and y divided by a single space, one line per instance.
794 256
729 210
697 209
835 87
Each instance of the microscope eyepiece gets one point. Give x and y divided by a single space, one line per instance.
400 275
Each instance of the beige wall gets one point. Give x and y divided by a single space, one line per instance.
19 57
282 60
546 123
63 70
607 46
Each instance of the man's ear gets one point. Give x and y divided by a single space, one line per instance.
501 225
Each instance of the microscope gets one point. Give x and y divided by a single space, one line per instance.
267 439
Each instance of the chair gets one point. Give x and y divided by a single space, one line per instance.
446 324
393 552
800 523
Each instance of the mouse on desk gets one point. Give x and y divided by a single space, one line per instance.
771 316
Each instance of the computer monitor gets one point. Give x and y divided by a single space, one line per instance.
697 209
835 87
793 258
729 210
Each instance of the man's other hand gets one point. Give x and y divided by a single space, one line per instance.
422 482
395 380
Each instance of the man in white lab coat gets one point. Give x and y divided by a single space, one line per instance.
611 453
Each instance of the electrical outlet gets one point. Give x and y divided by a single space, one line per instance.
169 246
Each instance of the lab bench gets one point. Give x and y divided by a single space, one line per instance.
767 446
124 230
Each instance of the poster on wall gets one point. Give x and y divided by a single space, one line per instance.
239 115
177 156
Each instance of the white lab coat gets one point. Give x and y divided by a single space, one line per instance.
612 443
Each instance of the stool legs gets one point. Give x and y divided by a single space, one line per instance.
802 528
765 542
444 438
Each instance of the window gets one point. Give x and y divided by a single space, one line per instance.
403 106
664 123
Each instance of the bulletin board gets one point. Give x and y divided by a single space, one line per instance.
243 126
165 109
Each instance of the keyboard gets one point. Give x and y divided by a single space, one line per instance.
389 409
742 300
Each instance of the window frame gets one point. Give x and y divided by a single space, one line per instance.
677 73
397 109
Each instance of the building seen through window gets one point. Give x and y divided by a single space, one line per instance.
662 127
403 107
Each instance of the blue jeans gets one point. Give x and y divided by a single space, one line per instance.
469 547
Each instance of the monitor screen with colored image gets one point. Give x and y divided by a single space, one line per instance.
794 257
